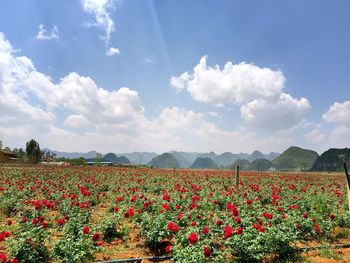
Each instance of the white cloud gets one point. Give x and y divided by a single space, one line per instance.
43 34
275 114
340 137
259 92
75 114
338 113
315 136
112 51
213 113
179 82
100 10
76 121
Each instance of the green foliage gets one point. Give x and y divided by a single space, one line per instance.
109 227
28 244
331 254
33 151
75 246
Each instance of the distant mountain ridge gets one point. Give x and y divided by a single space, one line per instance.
165 160
295 158
204 163
185 159
331 160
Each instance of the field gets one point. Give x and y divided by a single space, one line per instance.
94 214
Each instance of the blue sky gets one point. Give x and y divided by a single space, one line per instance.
111 75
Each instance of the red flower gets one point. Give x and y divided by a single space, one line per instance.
86 230
129 213
9 222
228 231
14 260
3 258
238 231
193 223
60 222
192 238
207 251
166 206
305 215
219 222
167 248
238 220
317 228
116 209
205 230
331 216
173 227
95 236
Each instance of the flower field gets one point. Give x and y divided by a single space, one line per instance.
87 214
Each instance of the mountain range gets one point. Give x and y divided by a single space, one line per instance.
184 159
292 159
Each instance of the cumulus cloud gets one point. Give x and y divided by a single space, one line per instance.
75 114
259 92
112 51
88 105
315 135
275 114
102 18
43 34
338 113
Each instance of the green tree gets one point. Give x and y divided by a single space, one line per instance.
21 155
33 151
98 159
0 144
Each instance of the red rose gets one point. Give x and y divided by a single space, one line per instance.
192 238
95 236
219 222
317 228
86 230
3 258
173 227
205 230
116 209
129 212
207 251
167 248
228 231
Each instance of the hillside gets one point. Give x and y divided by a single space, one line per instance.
260 164
244 165
295 158
204 163
183 161
165 160
329 160
110 157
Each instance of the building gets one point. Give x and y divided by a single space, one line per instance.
8 156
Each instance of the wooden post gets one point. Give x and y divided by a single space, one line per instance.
348 181
237 174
